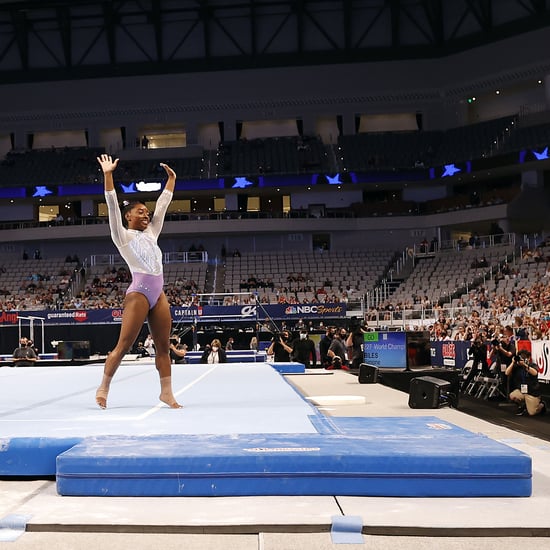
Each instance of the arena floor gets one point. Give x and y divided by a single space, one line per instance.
295 521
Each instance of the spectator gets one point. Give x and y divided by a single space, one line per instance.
303 350
214 353
24 355
338 349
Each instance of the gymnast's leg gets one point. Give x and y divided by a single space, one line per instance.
134 314
160 324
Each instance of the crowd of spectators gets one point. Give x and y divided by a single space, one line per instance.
478 310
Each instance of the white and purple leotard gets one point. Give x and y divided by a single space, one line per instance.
139 248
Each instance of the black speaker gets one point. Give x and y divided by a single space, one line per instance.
428 392
368 374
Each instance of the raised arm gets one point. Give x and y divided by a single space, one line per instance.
108 165
171 182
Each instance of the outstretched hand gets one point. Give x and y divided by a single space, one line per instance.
169 171
107 163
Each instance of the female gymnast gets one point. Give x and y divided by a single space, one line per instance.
135 235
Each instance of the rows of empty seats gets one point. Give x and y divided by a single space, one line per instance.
290 154
186 276
408 149
438 278
49 166
307 275
280 155
527 136
185 168
376 150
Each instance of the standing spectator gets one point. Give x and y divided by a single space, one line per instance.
149 345
338 349
303 350
354 345
324 346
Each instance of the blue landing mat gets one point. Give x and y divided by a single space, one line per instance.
58 410
404 457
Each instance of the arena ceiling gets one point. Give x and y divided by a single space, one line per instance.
74 39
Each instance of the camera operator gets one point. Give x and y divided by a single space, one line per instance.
324 346
524 383
178 351
354 345
280 347
24 355
478 354
503 350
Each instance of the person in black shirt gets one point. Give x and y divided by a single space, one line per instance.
24 355
354 347
503 350
524 384
338 349
324 346
303 350
478 354
280 347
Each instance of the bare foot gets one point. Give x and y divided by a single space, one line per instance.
170 400
101 398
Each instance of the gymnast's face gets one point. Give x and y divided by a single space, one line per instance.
138 217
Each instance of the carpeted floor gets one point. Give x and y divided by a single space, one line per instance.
498 411
503 413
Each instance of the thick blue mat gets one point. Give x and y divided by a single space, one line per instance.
406 457
57 408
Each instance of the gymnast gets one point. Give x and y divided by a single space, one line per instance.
135 235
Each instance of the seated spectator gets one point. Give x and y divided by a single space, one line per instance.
24 355
214 353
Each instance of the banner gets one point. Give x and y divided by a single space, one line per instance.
540 354
201 314
449 353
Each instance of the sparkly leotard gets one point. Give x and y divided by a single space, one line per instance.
139 248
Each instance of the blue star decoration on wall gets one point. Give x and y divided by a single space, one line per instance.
541 156
128 188
241 183
41 191
450 170
334 180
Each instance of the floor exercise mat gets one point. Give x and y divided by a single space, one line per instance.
415 457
